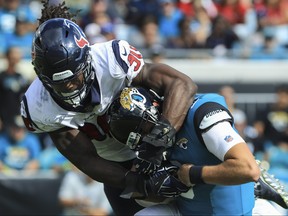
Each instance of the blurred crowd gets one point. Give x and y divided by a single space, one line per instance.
250 29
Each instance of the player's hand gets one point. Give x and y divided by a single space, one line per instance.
162 184
149 159
165 183
152 147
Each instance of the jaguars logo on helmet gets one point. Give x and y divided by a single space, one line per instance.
131 97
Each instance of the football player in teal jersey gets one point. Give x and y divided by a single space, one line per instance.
215 162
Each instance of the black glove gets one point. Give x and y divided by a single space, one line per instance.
152 147
149 159
163 183
162 135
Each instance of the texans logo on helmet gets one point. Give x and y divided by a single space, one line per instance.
82 41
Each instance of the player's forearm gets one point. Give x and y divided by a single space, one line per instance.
104 171
230 172
80 151
178 99
177 88
101 170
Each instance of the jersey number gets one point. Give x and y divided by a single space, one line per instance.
92 130
134 57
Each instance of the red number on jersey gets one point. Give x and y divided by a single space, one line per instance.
93 132
134 57
28 124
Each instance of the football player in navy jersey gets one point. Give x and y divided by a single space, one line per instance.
214 160
75 84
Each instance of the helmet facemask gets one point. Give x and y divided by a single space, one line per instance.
59 85
148 121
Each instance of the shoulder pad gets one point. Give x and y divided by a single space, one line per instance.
214 117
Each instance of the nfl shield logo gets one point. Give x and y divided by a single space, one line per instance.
228 138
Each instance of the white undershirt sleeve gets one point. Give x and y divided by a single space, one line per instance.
220 138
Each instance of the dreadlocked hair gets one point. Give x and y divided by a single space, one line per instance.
51 11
